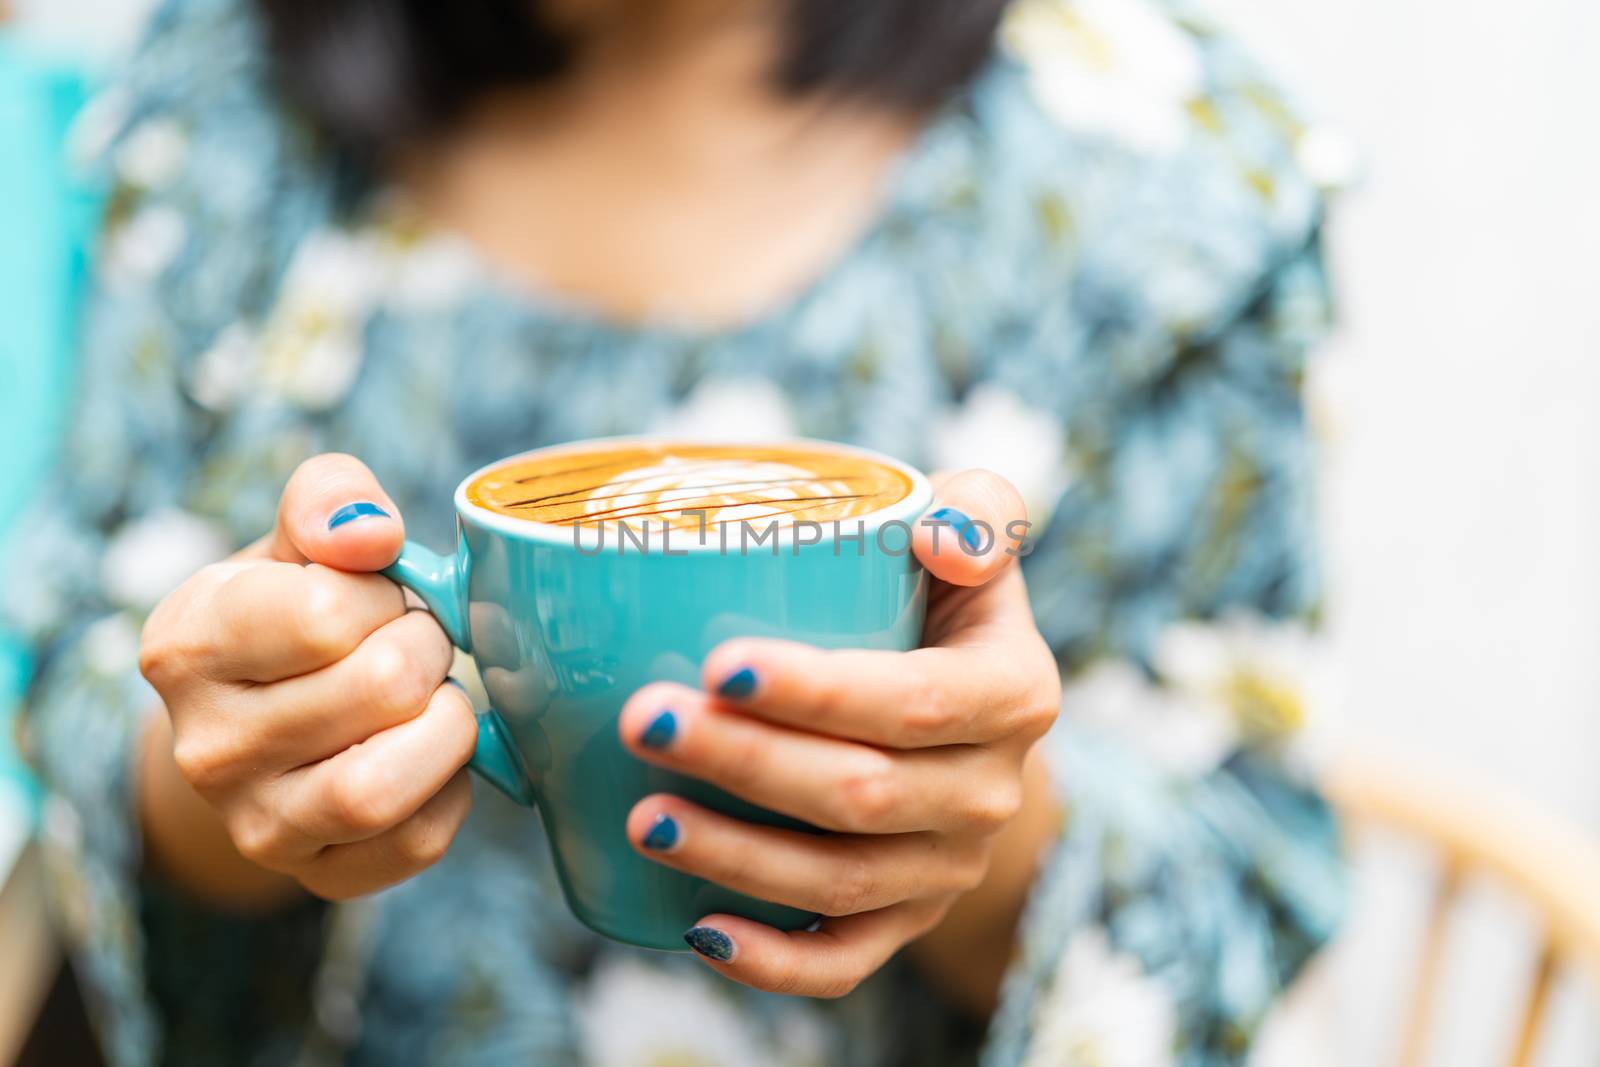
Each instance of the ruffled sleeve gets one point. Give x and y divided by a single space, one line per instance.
119 527
1176 576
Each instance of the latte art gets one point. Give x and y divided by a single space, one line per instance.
681 486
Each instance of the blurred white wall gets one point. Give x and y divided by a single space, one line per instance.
1463 474
1464 477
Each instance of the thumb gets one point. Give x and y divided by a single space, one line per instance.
975 518
334 512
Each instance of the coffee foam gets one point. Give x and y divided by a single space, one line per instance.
683 486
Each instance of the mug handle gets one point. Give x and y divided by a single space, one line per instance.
441 583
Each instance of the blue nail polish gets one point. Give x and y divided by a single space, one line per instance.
663 834
738 685
660 732
361 509
710 942
964 527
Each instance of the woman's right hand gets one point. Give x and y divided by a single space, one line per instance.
309 707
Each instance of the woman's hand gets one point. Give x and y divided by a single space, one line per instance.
915 760
307 704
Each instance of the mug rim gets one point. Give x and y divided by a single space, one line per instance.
911 506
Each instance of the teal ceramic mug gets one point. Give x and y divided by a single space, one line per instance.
563 633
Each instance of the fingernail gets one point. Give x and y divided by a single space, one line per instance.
710 942
660 732
361 509
663 834
961 524
738 685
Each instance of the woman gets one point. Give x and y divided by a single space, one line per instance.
430 236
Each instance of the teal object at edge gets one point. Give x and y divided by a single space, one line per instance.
50 213
563 638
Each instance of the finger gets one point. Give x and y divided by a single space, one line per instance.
378 783
178 643
829 961
363 791
964 694
834 784
976 516
387 680
344 871
834 874
269 621
334 512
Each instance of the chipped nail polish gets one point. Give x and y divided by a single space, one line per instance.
361 509
964 527
662 729
663 834
738 685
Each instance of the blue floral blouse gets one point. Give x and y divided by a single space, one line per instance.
1097 272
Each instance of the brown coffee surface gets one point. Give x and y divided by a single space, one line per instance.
654 484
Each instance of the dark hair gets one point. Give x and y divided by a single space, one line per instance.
375 72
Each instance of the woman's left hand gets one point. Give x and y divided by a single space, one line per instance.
914 760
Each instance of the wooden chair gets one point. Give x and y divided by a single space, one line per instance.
1481 832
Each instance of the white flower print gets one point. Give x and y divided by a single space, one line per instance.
736 409
1240 680
312 345
144 246
1114 67
153 154
224 372
633 1014
1102 1010
1115 698
111 645
996 429
1269 680
432 275
150 556
312 360
1329 157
